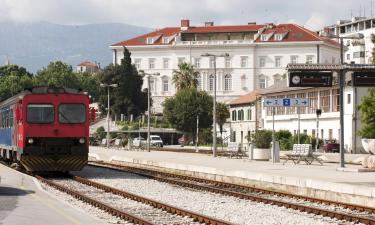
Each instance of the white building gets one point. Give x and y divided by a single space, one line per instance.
258 55
87 66
358 51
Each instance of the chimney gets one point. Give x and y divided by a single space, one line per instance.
251 23
209 24
185 24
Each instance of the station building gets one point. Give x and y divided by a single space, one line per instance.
258 55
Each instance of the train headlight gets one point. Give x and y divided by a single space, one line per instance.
30 141
81 140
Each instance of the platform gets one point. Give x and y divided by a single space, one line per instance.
23 201
312 180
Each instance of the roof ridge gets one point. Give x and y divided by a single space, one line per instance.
309 31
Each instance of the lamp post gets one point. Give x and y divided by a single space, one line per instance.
143 74
342 85
108 86
214 105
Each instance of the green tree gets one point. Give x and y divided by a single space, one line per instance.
13 79
57 74
89 83
182 109
367 110
185 76
128 98
222 113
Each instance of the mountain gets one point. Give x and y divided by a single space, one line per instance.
34 45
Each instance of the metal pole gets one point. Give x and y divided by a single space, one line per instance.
317 134
196 138
342 85
273 136
214 111
148 112
108 119
299 124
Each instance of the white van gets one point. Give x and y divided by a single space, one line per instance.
155 140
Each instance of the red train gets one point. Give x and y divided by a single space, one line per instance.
46 129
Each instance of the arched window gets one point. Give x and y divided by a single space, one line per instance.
211 82
234 115
227 82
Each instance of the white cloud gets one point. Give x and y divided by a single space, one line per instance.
316 22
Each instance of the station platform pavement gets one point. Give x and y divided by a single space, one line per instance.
320 181
24 202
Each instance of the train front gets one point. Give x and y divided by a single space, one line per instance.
55 131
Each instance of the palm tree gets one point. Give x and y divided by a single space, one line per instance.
222 113
185 76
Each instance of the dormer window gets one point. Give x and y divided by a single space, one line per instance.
150 41
166 40
264 37
278 37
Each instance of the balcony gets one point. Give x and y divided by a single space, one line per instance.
213 42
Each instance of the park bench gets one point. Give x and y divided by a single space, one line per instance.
302 152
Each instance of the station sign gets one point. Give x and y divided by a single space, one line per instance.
286 102
310 79
363 79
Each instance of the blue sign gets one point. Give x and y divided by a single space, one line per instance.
286 102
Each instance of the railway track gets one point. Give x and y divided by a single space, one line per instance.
339 210
120 203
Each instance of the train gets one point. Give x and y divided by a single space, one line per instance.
46 129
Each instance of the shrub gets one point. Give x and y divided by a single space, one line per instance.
284 137
367 109
262 138
100 132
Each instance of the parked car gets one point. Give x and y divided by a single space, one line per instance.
139 141
155 140
331 146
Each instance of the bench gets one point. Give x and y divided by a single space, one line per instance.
302 152
234 150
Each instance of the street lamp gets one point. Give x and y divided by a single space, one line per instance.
214 105
342 85
108 86
143 74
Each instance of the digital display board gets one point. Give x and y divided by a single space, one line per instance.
310 79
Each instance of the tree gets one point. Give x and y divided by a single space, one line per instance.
367 109
182 109
57 74
128 98
89 83
185 76
13 79
222 113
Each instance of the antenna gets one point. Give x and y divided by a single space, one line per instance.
371 9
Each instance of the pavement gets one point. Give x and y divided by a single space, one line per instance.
24 202
322 181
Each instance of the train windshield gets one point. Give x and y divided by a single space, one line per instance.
72 113
39 113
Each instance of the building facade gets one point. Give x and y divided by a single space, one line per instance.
88 67
258 56
357 51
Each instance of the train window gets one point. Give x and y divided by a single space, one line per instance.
72 113
11 118
39 113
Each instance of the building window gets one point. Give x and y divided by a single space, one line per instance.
294 59
165 63
290 110
330 134
335 100
249 114
244 60
278 37
313 102
348 56
150 41
333 60
277 61
262 61
309 59
165 85
227 82
233 136
325 101
234 115
211 82
151 63
263 37
152 85
166 40
349 98
227 62
137 63
212 62
358 55
240 115
302 110
199 82
197 63
181 60
262 82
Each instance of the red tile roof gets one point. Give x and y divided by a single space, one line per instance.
244 99
88 64
221 29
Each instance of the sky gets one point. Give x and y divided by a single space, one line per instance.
313 14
